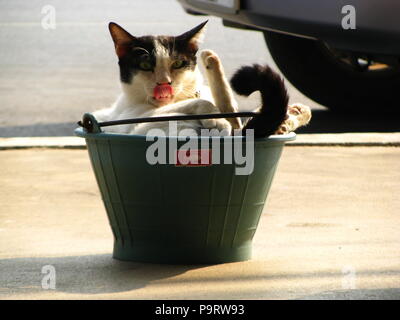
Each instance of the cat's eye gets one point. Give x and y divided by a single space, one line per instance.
145 65
178 64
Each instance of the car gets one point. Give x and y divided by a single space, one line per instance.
344 55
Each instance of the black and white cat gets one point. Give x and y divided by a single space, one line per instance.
159 76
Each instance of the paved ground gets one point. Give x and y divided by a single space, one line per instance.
49 78
330 230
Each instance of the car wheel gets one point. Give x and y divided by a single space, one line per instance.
340 81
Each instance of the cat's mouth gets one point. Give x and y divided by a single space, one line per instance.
163 93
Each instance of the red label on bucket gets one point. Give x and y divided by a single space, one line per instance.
193 158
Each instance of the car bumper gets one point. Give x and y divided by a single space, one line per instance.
377 21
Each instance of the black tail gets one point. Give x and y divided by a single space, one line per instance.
273 94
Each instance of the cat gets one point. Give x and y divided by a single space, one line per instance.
160 76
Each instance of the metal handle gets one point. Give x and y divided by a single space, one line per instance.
91 125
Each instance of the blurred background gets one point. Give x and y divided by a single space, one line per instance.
50 77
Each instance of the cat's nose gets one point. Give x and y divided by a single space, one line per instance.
164 83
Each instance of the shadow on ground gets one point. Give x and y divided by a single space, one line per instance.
325 121
90 274
356 294
100 274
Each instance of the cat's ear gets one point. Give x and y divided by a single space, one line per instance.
193 37
122 39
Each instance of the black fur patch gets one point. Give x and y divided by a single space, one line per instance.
141 49
273 94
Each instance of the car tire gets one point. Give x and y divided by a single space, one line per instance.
321 76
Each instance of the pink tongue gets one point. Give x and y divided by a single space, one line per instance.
163 91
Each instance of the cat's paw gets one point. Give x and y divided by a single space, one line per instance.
298 115
224 125
210 60
301 112
283 129
219 124
208 123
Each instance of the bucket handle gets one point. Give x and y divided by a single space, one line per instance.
90 124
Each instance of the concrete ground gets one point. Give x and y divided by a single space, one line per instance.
330 230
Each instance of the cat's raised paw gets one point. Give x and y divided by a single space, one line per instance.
210 59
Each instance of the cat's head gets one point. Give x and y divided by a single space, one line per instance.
161 68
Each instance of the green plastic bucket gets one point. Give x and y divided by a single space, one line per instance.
168 213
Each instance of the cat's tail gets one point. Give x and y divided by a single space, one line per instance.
273 94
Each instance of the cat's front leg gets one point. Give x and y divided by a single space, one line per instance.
219 85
